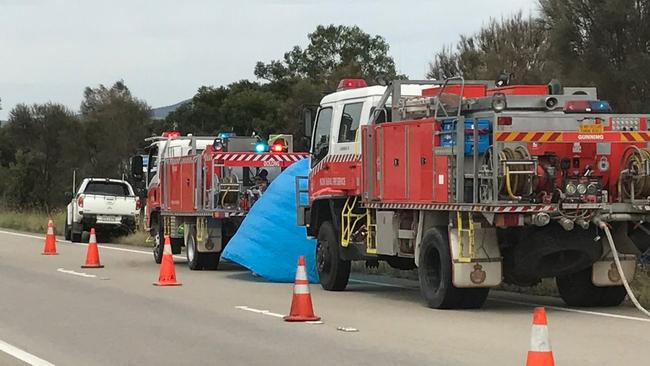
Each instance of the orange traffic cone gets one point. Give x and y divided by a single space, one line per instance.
540 353
167 275
301 307
50 240
92 254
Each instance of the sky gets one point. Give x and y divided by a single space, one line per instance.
164 50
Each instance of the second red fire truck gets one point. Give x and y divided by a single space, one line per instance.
476 184
200 188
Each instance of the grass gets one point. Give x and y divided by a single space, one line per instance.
31 221
138 239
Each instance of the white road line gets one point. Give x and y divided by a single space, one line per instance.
80 274
23 355
586 312
258 311
84 244
524 303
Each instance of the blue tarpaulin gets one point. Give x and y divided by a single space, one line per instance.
269 241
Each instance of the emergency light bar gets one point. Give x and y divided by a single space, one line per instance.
587 106
171 134
351 84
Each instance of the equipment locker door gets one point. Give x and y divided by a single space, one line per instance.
392 139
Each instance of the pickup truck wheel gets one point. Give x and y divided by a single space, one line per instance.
577 290
334 272
158 244
67 230
434 273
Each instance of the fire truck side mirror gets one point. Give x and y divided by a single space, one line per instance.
136 167
307 117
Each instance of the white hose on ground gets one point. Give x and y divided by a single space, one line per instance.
636 303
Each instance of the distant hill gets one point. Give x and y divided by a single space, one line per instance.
2 123
162 112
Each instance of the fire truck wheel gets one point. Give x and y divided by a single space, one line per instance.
577 290
193 256
332 270
434 272
157 243
199 261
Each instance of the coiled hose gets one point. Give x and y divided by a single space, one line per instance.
619 268
515 184
635 161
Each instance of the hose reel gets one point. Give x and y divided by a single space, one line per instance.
634 179
515 173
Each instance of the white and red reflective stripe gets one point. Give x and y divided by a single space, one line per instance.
539 341
93 238
301 274
338 158
260 156
301 289
50 230
446 207
167 249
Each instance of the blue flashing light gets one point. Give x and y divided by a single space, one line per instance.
261 147
225 135
600 106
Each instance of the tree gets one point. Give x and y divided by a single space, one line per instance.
605 44
202 115
250 107
116 123
333 52
517 45
45 144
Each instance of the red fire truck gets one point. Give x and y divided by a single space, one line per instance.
200 188
478 183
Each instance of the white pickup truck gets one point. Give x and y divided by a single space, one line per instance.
108 205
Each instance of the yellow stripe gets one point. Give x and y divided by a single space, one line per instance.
637 136
511 136
529 136
546 136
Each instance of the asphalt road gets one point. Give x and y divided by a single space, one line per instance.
118 318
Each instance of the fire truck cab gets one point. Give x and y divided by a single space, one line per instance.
478 183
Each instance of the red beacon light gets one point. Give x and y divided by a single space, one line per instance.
279 146
346 84
171 134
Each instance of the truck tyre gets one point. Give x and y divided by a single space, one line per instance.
434 273
334 272
158 244
85 236
177 245
196 260
577 290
